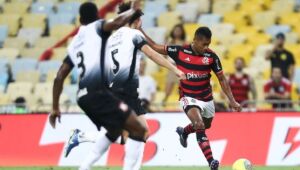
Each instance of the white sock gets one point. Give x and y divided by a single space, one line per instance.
138 163
134 151
100 147
88 136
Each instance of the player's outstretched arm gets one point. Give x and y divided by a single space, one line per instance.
62 73
122 18
157 47
226 89
160 60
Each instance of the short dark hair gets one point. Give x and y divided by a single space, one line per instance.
240 58
88 13
203 32
183 36
280 36
126 6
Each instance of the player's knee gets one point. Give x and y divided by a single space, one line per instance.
140 134
143 131
112 136
199 125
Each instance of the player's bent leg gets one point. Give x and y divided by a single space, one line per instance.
133 154
100 147
143 120
193 112
204 145
125 133
124 137
137 130
207 122
134 150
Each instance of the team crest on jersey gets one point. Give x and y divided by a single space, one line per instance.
283 56
245 82
123 107
205 61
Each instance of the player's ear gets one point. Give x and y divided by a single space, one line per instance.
80 20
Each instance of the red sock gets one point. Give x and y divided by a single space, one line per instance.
203 143
189 129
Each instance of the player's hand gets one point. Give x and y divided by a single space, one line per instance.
236 106
55 114
180 75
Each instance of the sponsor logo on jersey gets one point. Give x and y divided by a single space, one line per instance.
193 75
187 51
187 59
172 49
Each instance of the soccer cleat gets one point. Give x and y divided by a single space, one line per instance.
214 165
182 137
73 142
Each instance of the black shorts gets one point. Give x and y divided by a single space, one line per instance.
132 99
104 109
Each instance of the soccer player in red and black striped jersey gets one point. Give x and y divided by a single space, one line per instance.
196 61
241 83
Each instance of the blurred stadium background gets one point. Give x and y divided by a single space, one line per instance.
34 35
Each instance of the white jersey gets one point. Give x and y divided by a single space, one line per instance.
123 57
85 52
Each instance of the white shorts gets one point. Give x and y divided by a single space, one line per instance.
207 108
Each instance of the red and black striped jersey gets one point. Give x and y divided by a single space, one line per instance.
278 87
240 87
197 69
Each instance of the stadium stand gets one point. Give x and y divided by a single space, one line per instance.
14 42
3 33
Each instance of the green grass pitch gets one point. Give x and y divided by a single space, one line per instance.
146 168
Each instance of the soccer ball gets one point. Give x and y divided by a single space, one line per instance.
242 164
